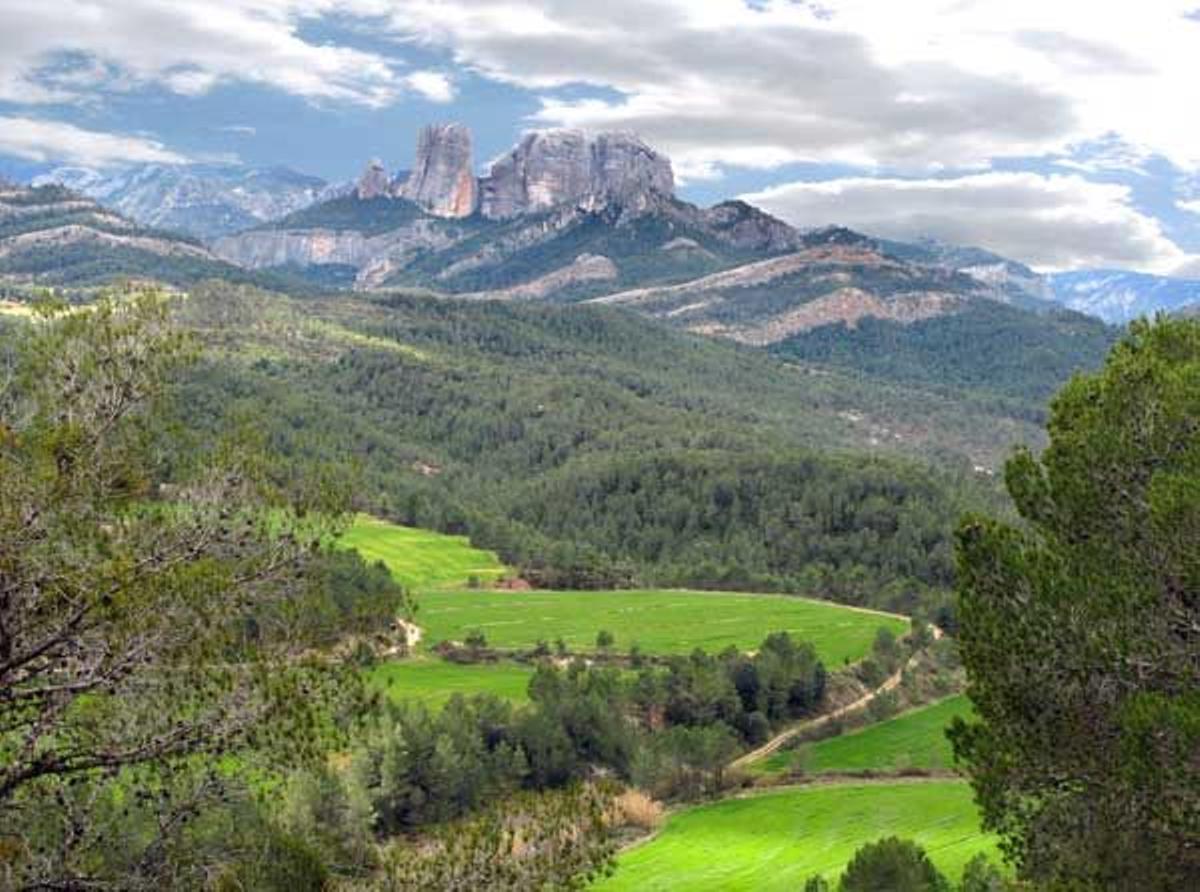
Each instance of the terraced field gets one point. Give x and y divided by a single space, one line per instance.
912 740
434 681
659 622
775 841
421 559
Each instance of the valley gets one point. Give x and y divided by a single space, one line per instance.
722 446
769 839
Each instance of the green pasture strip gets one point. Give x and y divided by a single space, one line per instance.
912 740
433 681
659 622
775 841
421 559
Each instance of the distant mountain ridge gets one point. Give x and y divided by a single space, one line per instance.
1118 296
202 200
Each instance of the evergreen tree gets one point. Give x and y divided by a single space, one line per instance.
1081 631
892 865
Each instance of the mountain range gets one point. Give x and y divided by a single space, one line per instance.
565 216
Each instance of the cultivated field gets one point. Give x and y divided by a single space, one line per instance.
914 739
775 841
420 559
434 681
659 622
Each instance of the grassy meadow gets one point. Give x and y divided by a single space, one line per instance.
437 567
775 841
421 559
659 622
912 740
434 681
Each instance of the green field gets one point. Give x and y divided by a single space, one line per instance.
775 841
915 739
420 559
433 681
659 622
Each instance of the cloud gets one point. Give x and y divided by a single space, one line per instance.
239 129
41 140
722 84
1188 270
1191 206
919 85
187 46
1050 222
431 85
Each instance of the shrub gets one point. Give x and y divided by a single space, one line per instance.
633 808
892 864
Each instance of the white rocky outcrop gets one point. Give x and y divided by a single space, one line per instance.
443 180
555 167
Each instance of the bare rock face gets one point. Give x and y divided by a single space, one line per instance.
555 167
443 179
374 181
626 169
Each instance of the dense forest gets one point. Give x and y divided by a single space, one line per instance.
975 350
590 447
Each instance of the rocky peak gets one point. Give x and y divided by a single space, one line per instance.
553 167
749 228
626 169
443 179
374 181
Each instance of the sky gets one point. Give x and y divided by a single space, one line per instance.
1062 133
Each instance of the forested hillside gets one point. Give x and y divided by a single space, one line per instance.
58 237
596 448
988 348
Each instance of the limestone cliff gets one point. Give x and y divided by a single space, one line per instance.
443 179
556 167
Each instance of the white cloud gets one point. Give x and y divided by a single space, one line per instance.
1049 222
432 85
918 85
914 86
240 129
41 140
188 46
1188 270
1191 206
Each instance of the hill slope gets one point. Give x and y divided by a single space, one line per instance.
584 444
838 276
983 347
50 235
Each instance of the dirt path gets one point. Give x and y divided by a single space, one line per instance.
774 744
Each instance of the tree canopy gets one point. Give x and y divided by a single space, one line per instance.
149 605
1081 631
892 865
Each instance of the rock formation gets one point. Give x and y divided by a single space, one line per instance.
443 179
374 181
555 167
